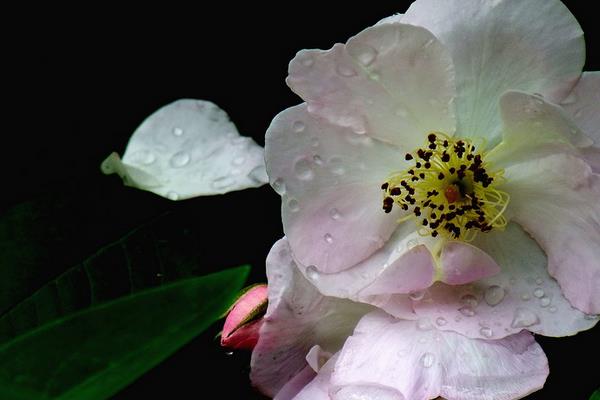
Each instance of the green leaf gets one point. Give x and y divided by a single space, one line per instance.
94 353
595 395
158 252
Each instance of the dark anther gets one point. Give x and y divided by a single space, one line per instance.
451 207
452 170
422 175
411 171
421 153
445 143
431 137
384 186
395 191
433 215
388 202
434 233
414 179
441 176
425 222
417 211
427 164
408 157
441 207
445 157
432 146
405 207
418 165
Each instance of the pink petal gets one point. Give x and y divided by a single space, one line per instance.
330 181
392 81
521 296
462 263
556 200
291 389
583 104
422 363
535 45
238 333
289 329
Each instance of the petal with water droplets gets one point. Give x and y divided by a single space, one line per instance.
186 149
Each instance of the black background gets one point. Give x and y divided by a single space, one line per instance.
79 81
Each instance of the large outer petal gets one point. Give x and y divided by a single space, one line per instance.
522 296
423 363
330 181
534 127
186 149
298 317
556 200
531 45
392 81
583 104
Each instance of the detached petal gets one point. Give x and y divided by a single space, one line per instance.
394 82
583 104
532 45
533 128
556 200
521 296
330 182
421 363
186 149
298 317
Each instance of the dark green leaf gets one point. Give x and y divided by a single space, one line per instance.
94 353
595 395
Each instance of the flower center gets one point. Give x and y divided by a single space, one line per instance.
450 190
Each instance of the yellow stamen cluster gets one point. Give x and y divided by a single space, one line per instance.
449 190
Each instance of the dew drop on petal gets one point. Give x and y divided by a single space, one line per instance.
144 157
335 214
307 61
279 186
424 324
367 56
416 296
312 273
298 126
223 182
486 332
525 297
328 238
318 160
293 205
180 159
545 301
303 169
177 131
494 295
172 195
539 281
427 360
335 165
524 318
539 293
345 70
469 300
467 311
441 321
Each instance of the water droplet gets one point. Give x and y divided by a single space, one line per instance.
345 70
552 309
524 318
335 214
525 297
318 160
401 112
328 238
424 324
298 126
458 318
441 321
359 129
238 160
303 169
314 141
172 196
335 165
279 186
223 182
467 311
177 131
312 273
367 56
539 281
144 157
416 296
539 293
307 61
469 300
486 332
494 295
545 301
180 159
293 205
258 174
427 360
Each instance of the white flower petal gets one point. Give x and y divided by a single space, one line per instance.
330 182
298 317
531 45
186 149
583 104
421 363
556 200
521 296
533 127
391 81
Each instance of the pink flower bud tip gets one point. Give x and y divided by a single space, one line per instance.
244 319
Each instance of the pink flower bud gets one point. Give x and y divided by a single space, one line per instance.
244 319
